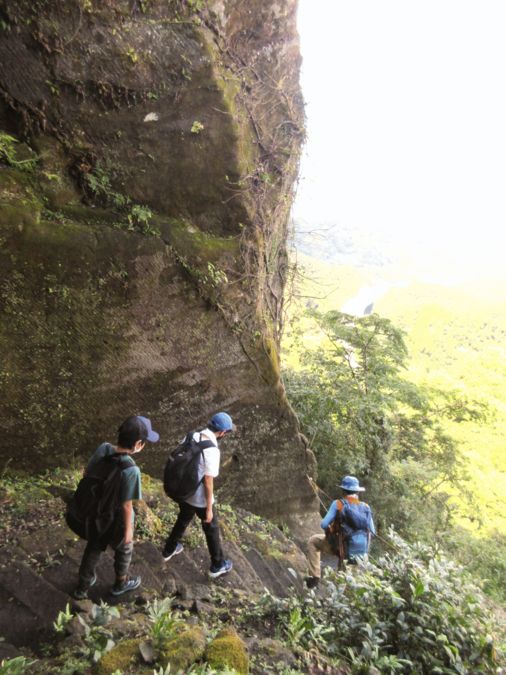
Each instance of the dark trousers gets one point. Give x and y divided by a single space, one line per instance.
211 530
91 556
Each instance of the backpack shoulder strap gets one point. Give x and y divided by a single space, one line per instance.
206 443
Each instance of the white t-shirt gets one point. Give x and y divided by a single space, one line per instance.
209 465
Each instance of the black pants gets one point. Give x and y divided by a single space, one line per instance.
211 530
91 556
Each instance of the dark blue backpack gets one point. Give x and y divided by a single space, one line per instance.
354 517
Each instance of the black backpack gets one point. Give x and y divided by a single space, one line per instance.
181 475
92 512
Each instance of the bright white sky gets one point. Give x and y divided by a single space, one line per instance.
406 120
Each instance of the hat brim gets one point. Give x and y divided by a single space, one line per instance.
347 487
153 436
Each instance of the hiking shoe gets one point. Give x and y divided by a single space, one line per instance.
217 570
312 582
167 556
128 585
81 592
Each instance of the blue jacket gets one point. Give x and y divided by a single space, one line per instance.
358 543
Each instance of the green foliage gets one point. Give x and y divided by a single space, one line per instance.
16 666
410 612
197 127
196 5
164 621
215 275
483 555
99 182
363 417
139 217
8 154
62 620
103 614
132 55
98 639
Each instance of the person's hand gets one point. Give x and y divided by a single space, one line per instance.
209 514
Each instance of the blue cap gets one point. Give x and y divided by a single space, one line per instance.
152 436
222 422
351 484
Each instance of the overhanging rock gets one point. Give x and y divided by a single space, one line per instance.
143 219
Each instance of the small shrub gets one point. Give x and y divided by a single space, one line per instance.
8 154
164 621
119 658
16 666
197 127
62 620
412 612
185 648
228 650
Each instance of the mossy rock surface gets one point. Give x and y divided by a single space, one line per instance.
228 650
183 322
184 649
121 657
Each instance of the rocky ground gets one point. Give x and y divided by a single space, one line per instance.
212 625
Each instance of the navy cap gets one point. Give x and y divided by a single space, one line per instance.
151 435
222 422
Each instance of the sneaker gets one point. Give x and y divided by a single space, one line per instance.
81 592
312 582
217 570
128 585
176 551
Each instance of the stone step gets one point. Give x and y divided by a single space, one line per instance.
41 597
19 626
281 569
243 575
186 570
268 577
46 542
62 574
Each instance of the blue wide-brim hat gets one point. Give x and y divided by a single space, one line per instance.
351 484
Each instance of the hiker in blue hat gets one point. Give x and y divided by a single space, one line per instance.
348 527
200 503
113 474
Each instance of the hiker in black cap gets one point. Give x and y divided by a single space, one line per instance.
348 527
132 436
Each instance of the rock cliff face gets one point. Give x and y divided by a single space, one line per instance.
148 152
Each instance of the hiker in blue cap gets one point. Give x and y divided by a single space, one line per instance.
201 502
112 474
348 527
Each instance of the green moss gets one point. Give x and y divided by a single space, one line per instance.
266 547
184 649
13 182
20 215
148 524
190 242
228 650
124 655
